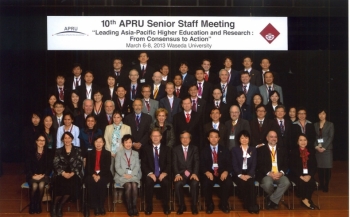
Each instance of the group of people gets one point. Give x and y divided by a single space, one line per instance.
203 129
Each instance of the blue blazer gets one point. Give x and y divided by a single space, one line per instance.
237 160
252 90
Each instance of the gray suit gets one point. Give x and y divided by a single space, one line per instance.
154 104
264 93
121 166
240 125
325 159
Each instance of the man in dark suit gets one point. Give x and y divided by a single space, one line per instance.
122 103
217 103
229 92
120 75
217 125
265 67
150 106
156 169
283 127
76 80
171 103
271 167
269 86
209 76
57 119
190 121
234 127
187 79
106 117
139 123
61 91
165 74
256 77
109 92
87 90
259 127
215 167
247 87
144 69
180 90
133 88
234 76
157 88
198 104
204 87
88 106
186 171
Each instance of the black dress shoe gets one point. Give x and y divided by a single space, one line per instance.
59 210
148 211
102 211
53 210
96 211
181 210
210 209
194 210
31 208
253 209
38 209
166 210
135 211
272 205
225 208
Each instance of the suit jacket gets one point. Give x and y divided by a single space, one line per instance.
102 121
105 164
258 135
193 127
310 134
74 161
55 124
82 91
296 164
147 75
172 110
276 77
222 131
213 77
71 81
237 161
235 77
191 163
240 125
207 90
147 160
140 135
264 93
327 134
125 129
224 111
189 80
255 77
245 112
126 108
183 92
168 135
128 89
265 161
35 166
285 139
106 92
66 93
153 104
231 94
121 165
201 107
79 120
251 92
123 77
161 92
206 160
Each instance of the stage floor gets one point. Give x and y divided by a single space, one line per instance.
333 203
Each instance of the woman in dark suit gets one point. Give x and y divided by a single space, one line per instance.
38 169
74 105
256 100
324 149
302 170
292 114
50 135
88 134
243 107
98 174
49 110
274 101
165 127
244 163
302 125
68 167
30 133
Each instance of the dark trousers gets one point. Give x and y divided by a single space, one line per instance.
96 191
149 186
247 190
224 192
193 188
324 175
305 189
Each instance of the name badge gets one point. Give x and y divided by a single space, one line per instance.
224 99
274 164
117 84
305 171
129 172
123 115
142 80
232 136
215 165
320 140
89 149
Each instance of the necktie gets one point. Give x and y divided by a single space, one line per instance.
76 82
273 156
117 73
281 128
199 89
217 104
177 92
133 92
111 94
215 159
143 71
187 173
156 162
194 106
61 94
260 124
185 153
109 119
188 118
148 107
215 126
245 89
155 92
59 121
269 90
137 122
206 76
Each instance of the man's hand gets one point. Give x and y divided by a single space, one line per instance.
178 178
209 175
223 175
136 145
161 176
195 177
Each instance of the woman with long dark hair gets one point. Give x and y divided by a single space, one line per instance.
272 104
88 134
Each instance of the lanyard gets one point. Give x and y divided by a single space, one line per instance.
128 159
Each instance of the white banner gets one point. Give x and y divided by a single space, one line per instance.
166 33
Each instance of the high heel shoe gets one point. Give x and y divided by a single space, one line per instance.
307 204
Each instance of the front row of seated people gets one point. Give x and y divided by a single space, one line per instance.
182 165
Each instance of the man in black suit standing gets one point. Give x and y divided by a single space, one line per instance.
61 91
57 119
204 87
87 90
171 103
139 123
272 166
215 167
122 103
186 171
145 70
187 79
247 87
198 104
265 67
209 76
157 88
156 169
88 106
217 125
256 77
283 127
217 103
120 75
106 117
133 87
180 90
190 121
229 92
259 127
76 80
233 77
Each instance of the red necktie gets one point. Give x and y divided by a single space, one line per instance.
245 90
206 76
215 158
187 173
61 94
177 92
188 118
194 105
199 89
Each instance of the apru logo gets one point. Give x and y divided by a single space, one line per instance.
70 31
269 33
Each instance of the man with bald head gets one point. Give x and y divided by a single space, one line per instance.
157 88
234 127
106 116
88 106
